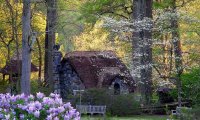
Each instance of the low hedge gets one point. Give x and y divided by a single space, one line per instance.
117 105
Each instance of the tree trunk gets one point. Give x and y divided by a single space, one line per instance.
142 51
177 51
40 63
26 54
50 41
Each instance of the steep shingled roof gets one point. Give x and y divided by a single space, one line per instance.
92 65
14 65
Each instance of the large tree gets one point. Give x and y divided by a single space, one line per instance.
177 50
142 51
26 52
50 41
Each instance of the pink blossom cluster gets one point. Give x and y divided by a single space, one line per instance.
39 107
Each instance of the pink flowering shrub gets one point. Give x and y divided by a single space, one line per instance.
39 107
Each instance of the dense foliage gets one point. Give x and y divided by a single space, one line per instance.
191 85
119 105
188 114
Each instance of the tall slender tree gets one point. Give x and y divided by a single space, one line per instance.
177 50
26 52
142 51
50 41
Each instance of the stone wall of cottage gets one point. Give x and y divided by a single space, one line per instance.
69 80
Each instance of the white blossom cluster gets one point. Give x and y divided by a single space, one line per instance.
161 24
124 27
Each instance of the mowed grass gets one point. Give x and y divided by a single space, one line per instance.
138 117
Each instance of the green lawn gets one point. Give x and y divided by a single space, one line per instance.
139 117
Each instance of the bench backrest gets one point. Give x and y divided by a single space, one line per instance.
91 109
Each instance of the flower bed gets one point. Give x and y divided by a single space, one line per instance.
39 107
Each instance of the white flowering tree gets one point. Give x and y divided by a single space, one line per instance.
166 35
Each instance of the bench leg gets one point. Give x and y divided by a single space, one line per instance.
104 116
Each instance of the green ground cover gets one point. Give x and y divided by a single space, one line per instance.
138 117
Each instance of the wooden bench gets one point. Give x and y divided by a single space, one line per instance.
91 109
